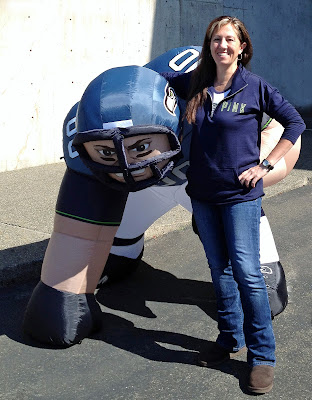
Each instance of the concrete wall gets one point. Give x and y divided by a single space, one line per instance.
50 50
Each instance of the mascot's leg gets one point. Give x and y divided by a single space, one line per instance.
143 208
62 309
272 269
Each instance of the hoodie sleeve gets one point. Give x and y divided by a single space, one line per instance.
280 109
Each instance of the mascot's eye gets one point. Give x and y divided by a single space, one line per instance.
142 147
139 147
107 152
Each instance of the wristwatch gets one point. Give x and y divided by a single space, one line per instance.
266 163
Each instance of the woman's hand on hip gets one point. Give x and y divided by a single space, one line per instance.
251 176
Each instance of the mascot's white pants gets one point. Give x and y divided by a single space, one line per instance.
145 207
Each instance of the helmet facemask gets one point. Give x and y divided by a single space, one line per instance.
119 172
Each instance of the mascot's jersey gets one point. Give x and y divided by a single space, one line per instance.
85 198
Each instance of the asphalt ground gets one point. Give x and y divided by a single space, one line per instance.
155 322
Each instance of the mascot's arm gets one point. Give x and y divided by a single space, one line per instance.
87 217
269 138
62 309
76 255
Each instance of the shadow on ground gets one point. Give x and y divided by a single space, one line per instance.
146 284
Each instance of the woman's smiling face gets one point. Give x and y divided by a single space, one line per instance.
225 46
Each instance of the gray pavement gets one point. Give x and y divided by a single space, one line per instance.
155 322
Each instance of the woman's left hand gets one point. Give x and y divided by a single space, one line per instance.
252 175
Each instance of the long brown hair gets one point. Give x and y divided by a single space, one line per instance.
206 69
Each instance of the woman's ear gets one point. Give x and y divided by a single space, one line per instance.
243 45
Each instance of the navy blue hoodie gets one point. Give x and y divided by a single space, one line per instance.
228 143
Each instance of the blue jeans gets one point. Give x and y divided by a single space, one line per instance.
231 239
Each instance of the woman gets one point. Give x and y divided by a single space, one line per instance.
225 107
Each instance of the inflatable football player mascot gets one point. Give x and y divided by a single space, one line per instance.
125 169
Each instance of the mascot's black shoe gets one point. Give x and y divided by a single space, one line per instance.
214 354
118 268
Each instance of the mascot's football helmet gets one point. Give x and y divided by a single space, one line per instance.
123 103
